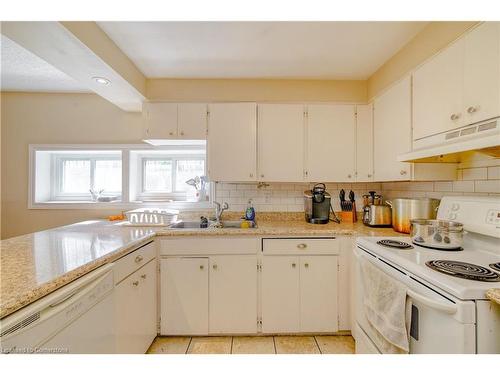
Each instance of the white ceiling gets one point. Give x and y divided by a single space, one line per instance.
297 50
21 70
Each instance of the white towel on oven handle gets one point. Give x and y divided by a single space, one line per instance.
387 309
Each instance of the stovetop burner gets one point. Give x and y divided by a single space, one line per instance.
495 266
463 270
395 244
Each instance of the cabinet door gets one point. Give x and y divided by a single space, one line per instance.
192 120
481 73
184 296
232 142
280 294
136 310
281 142
233 294
160 120
318 294
364 143
392 132
437 93
331 142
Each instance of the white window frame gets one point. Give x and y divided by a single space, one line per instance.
57 180
123 204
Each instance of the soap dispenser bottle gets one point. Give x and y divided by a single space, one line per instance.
250 211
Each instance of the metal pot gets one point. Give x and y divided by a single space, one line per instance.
437 234
406 209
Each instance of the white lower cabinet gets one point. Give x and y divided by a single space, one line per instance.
209 295
280 294
318 294
299 294
136 310
184 296
233 294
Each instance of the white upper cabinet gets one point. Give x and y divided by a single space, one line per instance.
437 93
281 142
160 120
192 120
331 145
392 132
364 143
232 142
460 85
175 120
481 73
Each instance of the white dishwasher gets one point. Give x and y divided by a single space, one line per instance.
77 318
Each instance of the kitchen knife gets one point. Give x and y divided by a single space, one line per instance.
342 199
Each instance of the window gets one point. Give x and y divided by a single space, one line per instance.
76 174
173 174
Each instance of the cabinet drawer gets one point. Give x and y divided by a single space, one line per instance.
300 246
209 245
133 261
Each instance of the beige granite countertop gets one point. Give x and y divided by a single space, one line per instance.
37 264
494 295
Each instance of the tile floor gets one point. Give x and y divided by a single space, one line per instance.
253 345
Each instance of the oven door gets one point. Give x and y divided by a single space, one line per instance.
440 323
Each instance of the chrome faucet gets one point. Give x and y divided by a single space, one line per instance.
219 210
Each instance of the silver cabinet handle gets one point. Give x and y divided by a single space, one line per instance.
138 258
135 283
201 267
306 265
143 276
214 266
472 109
455 116
302 245
293 265
402 172
251 174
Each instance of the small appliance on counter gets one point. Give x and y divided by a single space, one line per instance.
317 205
376 214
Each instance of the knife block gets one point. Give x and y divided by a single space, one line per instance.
349 216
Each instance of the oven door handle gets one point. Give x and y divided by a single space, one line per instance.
431 303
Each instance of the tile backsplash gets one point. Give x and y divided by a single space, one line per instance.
288 197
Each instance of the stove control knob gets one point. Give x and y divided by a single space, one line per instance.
455 207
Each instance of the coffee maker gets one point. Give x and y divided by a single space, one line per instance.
317 205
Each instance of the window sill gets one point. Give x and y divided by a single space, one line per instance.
118 205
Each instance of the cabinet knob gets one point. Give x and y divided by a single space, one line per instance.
402 172
262 175
202 267
306 265
251 174
293 265
182 133
455 116
135 283
143 276
472 109
349 176
171 133
138 258
214 266
369 175
302 245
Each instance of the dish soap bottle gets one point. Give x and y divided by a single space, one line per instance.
250 211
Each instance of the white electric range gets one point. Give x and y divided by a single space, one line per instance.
450 312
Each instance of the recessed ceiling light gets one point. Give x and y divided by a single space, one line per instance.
101 80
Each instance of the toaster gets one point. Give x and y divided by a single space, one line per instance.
377 215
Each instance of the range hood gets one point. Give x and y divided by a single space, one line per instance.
448 146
